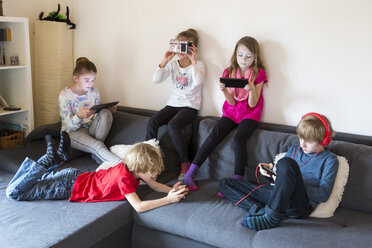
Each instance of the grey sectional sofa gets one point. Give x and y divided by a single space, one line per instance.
203 219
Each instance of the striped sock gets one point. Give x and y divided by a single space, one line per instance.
260 212
49 158
64 150
260 222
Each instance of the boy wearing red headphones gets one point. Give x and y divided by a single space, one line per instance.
302 179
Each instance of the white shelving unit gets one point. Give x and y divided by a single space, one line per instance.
16 81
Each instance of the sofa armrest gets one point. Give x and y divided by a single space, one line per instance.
40 132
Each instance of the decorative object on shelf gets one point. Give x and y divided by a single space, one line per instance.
1 8
57 17
14 60
4 36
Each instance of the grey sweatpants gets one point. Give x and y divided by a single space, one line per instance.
91 139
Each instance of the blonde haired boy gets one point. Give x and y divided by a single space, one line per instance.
39 181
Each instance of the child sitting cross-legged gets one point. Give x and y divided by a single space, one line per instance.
304 178
37 180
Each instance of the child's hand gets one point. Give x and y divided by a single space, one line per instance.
178 186
222 86
264 172
167 57
85 112
249 86
176 195
113 108
192 54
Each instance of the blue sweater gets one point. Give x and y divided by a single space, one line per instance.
319 173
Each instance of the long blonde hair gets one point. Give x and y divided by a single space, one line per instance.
253 46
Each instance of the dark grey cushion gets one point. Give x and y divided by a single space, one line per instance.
205 217
42 131
357 194
12 158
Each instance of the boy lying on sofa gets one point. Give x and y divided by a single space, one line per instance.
38 180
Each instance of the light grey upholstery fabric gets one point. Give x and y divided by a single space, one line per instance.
205 217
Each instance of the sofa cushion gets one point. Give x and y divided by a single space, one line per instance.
205 217
12 158
58 223
202 216
357 194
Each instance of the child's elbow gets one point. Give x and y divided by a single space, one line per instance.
139 209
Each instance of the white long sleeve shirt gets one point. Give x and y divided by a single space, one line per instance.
187 83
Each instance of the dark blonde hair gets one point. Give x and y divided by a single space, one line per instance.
310 128
190 34
84 65
254 47
144 158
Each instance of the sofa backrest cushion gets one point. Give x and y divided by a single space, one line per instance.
263 145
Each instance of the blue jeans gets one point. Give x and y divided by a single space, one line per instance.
287 198
34 182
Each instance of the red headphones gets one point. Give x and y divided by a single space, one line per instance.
327 138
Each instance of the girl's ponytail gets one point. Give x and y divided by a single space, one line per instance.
84 65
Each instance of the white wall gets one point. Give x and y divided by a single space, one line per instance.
318 53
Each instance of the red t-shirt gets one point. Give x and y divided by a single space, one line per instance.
104 185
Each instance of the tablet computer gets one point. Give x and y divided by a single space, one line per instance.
98 108
234 82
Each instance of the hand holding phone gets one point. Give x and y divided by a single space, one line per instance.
269 171
266 169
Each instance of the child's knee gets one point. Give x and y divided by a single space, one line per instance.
286 164
106 114
239 140
224 183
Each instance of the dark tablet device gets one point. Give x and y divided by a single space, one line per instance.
97 108
234 82
271 172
